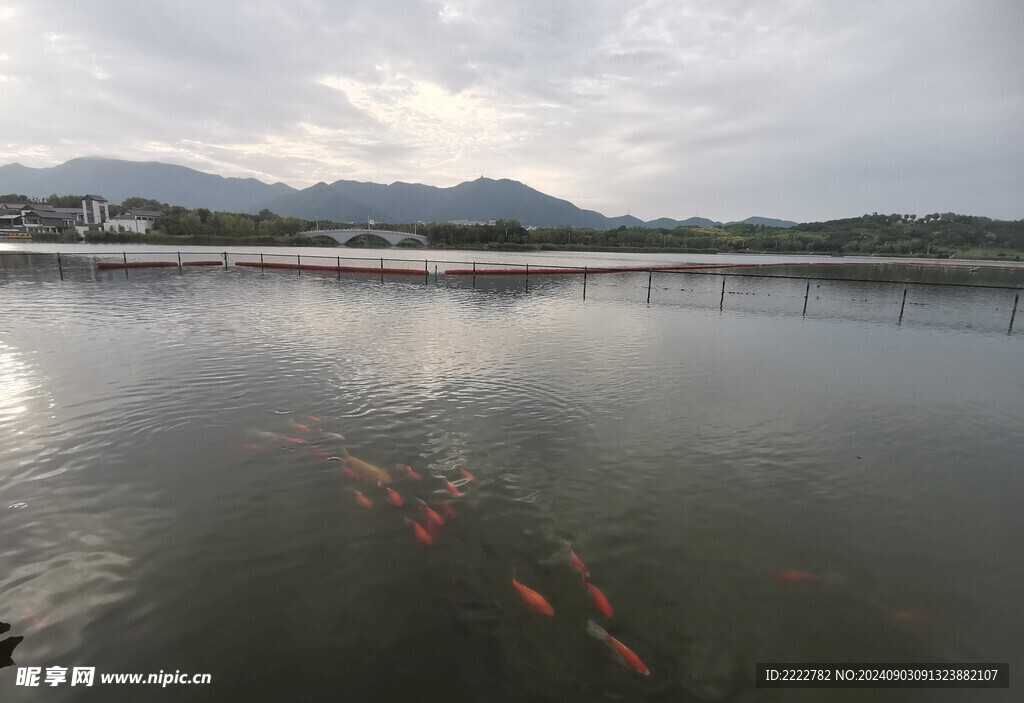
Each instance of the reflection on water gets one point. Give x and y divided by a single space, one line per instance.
742 486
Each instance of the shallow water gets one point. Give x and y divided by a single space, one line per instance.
688 454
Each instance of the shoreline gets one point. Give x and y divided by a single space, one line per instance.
305 242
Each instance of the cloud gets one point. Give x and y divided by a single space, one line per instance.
789 108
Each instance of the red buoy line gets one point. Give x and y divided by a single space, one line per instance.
376 270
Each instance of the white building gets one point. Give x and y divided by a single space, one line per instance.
136 221
94 212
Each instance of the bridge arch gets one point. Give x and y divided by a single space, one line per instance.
344 236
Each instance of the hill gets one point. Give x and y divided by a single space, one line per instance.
481 200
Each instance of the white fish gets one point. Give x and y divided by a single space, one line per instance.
335 435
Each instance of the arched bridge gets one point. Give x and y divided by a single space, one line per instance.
342 236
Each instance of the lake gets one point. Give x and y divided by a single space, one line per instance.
695 453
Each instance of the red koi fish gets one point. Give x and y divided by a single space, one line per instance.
301 428
452 489
574 562
799 577
623 654
293 440
409 472
255 447
600 602
432 517
421 535
449 511
350 473
363 500
468 476
535 602
393 497
314 419
322 454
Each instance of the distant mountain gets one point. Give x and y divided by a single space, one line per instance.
481 200
116 180
691 222
342 201
766 221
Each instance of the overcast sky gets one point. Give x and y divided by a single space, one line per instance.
797 109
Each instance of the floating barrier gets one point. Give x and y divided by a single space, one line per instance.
375 270
202 263
576 271
135 264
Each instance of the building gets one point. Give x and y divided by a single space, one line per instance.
36 217
137 221
93 215
94 212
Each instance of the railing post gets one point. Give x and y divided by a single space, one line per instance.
261 262
435 274
225 259
807 294
721 301
339 268
584 282
474 274
382 270
650 275
124 255
527 278
1014 313
426 272
179 262
298 261
60 269
906 284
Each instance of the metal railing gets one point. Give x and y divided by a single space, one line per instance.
265 260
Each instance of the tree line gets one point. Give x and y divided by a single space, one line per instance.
935 234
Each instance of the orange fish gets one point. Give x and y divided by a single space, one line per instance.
799 577
600 602
452 489
623 654
293 440
409 472
535 602
575 562
366 470
322 454
432 517
301 428
449 511
363 500
469 477
255 447
393 497
420 533
314 419
350 473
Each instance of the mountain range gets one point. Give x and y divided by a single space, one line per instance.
341 201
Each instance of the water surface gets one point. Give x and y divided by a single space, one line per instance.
689 454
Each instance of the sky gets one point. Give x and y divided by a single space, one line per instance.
796 109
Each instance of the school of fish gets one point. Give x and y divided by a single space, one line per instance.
426 522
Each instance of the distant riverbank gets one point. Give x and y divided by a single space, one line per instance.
299 241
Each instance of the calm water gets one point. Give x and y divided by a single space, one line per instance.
689 455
